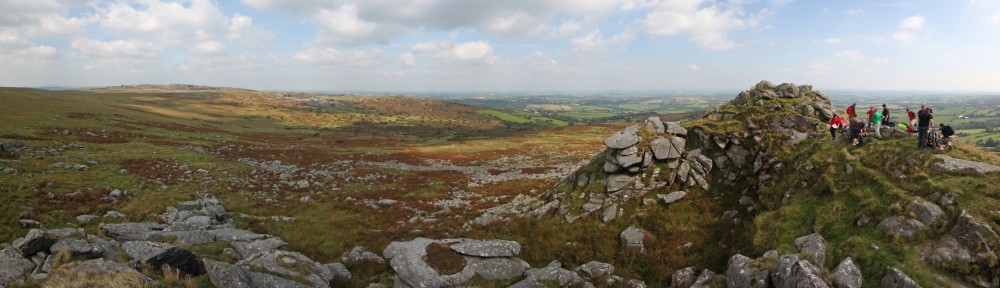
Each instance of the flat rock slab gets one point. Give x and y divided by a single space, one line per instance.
487 248
124 232
103 267
955 164
291 265
671 197
225 275
623 139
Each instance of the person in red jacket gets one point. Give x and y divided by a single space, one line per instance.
837 122
913 116
850 110
871 112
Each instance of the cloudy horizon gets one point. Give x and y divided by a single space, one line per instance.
516 45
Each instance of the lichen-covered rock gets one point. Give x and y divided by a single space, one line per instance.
596 270
675 129
703 280
497 268
954 164
487 248
124 232
623 139
897 279
899 225
926 212
671 197
617 182
683 278
846 274
291 265
225 275
247 248
654 124
339 271
813 245
739 271
13 266
632 238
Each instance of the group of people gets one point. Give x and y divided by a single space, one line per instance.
856 128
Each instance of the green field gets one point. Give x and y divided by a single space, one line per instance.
522 118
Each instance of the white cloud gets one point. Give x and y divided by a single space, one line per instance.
995 18
566 28
595 40
210 47
913 22
463 52
817 69
850 55
833 40
905 36
853 11
707 26
128 53
343 27
19 13
171 22
407 59
694 67
332 58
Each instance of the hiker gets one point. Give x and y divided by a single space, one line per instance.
946 133
877 123
836 122
856 129
850 110
913 117
924 121
885 114
871 112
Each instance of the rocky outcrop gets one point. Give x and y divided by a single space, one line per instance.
156 255
490 259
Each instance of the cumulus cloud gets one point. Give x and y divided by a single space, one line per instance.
128 53
833 40
476 51
881 61
706 25
15 50
343 27
210 47
332 58
566 28
913 22
173 22
596 40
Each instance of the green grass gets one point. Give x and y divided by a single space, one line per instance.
522 118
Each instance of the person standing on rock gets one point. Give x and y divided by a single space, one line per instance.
850 110
877 123
924 121
885 114
871 113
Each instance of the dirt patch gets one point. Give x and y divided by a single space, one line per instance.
443 259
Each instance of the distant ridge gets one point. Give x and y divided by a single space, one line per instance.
167 88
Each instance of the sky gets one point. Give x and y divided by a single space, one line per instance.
502 45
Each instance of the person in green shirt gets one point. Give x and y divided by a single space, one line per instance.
877 122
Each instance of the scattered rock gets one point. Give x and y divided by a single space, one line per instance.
814 246
954 164
35 241
671 197
632 238
738 273
900 225
28 223
684 277
225 275
339 271
846 274
596 270
13 266
897 279
288 264
926 212
86 218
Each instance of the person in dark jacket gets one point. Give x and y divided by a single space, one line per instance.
925 119
946 133
885 114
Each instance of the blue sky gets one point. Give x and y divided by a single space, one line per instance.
510 45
